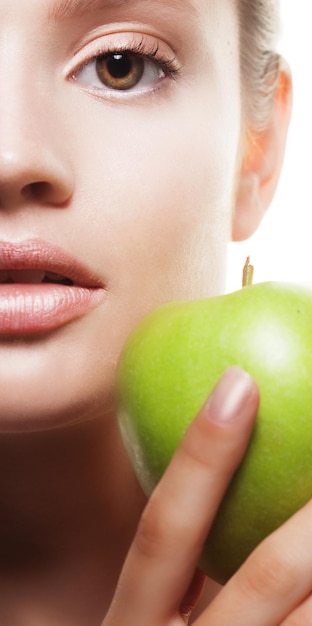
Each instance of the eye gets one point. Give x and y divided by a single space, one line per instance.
125 70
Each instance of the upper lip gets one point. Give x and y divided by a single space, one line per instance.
36 254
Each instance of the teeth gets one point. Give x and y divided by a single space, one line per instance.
31 277
55 278
3 276
27 276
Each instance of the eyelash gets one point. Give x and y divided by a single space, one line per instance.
169 67
143 50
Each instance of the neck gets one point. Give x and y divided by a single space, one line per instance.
69 503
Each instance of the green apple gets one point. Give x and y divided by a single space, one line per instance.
170 364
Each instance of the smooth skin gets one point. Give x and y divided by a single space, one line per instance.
146 187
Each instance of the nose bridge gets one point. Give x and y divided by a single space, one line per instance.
31 149
19 89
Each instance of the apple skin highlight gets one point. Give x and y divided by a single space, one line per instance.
170 364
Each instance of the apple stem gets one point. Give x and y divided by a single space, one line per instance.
248 271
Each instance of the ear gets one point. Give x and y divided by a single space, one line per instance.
261 161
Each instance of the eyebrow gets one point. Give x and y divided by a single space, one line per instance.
66 9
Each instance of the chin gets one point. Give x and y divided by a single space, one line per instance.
23 417
18 417
53 382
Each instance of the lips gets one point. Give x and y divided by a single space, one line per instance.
43 288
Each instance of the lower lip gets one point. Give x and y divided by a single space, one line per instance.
42 307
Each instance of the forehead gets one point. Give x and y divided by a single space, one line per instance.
199 11
201 15
191 26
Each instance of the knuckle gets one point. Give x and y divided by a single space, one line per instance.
211 446
152 533
268 573
163 529
199 448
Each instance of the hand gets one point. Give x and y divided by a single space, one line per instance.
274 586
159 584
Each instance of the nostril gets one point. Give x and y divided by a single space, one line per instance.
45 193
37 190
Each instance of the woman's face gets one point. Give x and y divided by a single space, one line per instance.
120 123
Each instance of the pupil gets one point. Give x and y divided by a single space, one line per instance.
121 70
119 65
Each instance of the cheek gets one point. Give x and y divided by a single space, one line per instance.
165 189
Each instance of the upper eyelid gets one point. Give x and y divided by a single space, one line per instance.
116 49
163 64
139 43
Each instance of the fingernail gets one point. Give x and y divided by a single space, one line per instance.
230 397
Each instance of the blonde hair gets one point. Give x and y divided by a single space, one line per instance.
259 30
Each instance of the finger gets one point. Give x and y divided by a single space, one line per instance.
302 616
275 579
161 562
193 594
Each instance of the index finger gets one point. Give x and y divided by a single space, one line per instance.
176 521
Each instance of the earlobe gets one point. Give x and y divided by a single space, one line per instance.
261 163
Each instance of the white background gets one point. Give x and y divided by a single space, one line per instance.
282 247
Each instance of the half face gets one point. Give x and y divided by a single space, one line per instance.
120 125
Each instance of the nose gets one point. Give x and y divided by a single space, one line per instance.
34 157
28 176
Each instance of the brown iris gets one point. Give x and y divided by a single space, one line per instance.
120 70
